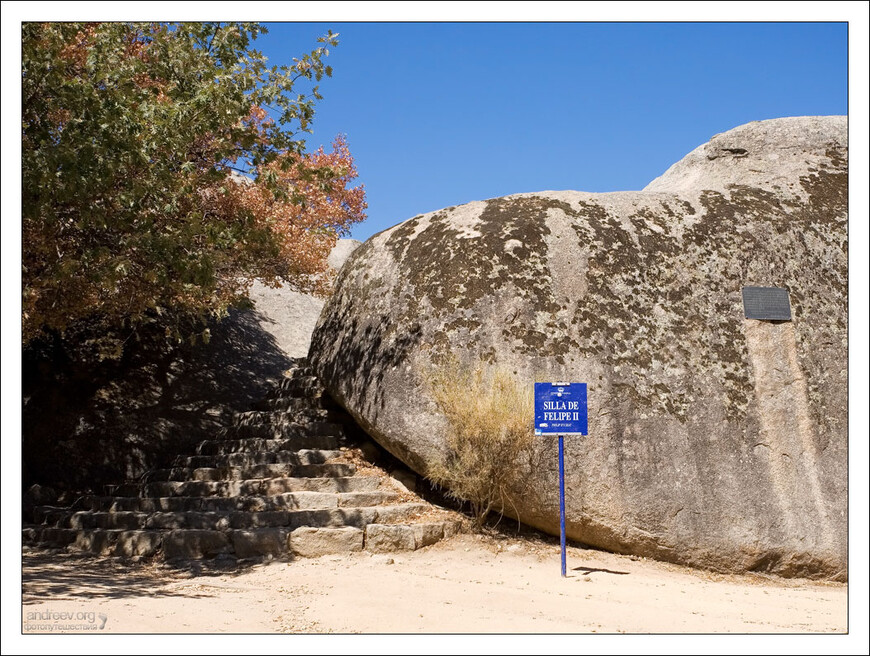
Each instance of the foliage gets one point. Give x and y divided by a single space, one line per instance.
133 140
490 435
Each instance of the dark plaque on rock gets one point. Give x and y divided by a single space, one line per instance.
767 303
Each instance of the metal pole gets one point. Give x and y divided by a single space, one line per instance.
562 499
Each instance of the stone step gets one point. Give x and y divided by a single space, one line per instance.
48 536
197 544
221 521
264 487
299 370
301 383
50 516
277 470
282 430
251 487
255 444
286 501
358 517
386 538
181 544
281 412
288 401
402 513
263 457
294 403
301 387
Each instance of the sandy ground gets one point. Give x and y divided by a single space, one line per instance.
468 584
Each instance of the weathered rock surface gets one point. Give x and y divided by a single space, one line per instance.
290 316
313 542
715 441
381 538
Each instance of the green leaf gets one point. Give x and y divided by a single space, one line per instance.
127 133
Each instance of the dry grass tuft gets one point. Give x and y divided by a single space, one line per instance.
490 436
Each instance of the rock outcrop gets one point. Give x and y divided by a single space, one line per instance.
714 440
290 316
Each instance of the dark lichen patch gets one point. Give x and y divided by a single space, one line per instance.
646 217
462 323
838 157
756 240
451 272
822 264
634 320
730 220
401 236
828 193
687 208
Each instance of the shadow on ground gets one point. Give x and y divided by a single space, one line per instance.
48 576
591 570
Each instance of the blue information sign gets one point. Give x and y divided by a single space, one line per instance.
560 409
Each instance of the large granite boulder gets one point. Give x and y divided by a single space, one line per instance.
714 440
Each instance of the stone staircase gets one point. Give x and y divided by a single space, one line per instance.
283 481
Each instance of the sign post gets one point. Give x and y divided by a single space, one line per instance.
561 409
562 501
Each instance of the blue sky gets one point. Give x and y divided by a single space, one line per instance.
440 114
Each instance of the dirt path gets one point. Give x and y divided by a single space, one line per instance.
470 584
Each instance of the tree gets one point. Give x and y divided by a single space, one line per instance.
163 171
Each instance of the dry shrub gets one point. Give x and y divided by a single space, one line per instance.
490 436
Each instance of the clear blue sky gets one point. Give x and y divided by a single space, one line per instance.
440 114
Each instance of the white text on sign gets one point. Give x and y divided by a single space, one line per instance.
561 410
